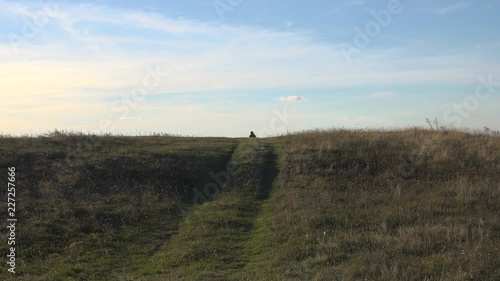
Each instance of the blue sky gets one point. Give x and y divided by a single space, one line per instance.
225 67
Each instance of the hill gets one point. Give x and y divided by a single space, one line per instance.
320 205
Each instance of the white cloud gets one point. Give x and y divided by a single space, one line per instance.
235 59
452 8
292 99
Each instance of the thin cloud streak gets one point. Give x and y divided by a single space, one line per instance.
453 8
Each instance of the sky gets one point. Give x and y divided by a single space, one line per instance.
228 67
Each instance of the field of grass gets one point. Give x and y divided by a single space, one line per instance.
321 205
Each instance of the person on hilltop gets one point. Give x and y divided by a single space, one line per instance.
252 135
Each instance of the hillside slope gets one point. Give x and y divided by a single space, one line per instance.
319 205
103 215
411 205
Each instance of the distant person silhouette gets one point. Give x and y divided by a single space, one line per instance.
252 135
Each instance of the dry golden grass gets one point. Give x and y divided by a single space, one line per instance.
384 205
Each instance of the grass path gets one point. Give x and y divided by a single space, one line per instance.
213 242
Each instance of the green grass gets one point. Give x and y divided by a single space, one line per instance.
319 205
212 240
103 217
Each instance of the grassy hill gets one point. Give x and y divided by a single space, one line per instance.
320 205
